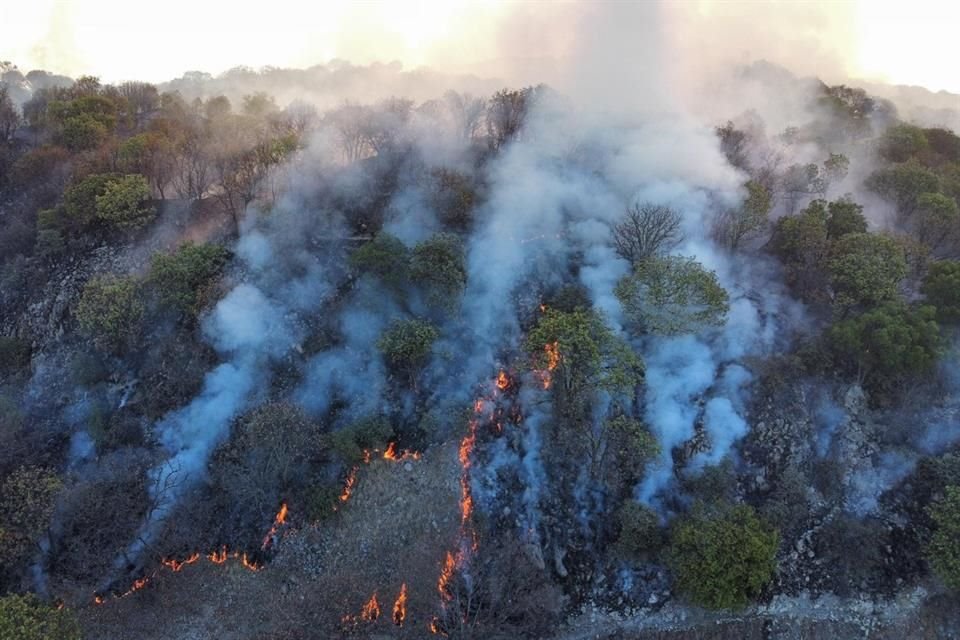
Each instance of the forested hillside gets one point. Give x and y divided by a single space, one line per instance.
277 365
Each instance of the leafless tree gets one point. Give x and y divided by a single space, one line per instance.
466 112
646 230
9 116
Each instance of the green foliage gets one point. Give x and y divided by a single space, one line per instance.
902 142
437 264
181 277
638 529
14 353
935 220
122 205
723 557
27 499
888 344
384 257
82 133
903 184
942 289
80 198
369 434
454 198
670 295
943 551
26 618
584 353
866 269
844 217
944 142
406 344
111 311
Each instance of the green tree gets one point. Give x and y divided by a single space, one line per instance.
903 184
406 345
27 498
638 529
581 355
385 257
671 295
944 142
26 618
437 264
80 198
902 142
943 550
866 269
180 278
111 311
942 289
843 217
123 203
802 244
887 345
936 220
733 226
722 557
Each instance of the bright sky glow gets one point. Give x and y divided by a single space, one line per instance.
901 42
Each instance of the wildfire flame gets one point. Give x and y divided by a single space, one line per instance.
348 487
552 351
400 606
279 520
371 610
503 382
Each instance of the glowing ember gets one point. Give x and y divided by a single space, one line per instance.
503 382
435 628
391 452
98 600
279 520
400 606
366 456
348 487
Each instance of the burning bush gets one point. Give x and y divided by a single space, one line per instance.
722 556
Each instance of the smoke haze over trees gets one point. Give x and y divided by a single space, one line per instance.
355 350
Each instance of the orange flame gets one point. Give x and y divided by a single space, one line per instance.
400 606
435 627
348 487
98 599
446 575
503 382
279 520
371 610
552 351
391 452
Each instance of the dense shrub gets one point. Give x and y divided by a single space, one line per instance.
942 289
866 269
26 504
367 434
181 277
943 552
14 353
385 258
887 345
437 265
722 557
26 618
111 311
406 345
670 295
122 204
638 529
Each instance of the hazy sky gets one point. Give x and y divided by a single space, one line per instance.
902 42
